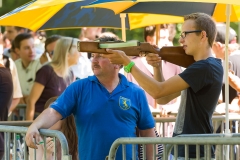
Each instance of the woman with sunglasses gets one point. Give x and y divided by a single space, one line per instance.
53 78
50 44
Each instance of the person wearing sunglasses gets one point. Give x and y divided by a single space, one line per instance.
53 78
49 47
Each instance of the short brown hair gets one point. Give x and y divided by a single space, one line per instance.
206 23
19 38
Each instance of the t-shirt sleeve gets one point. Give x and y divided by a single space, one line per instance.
198 75
17 92
145 120
67 101
43 75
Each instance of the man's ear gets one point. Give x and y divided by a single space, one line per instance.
17 51
203 34
218 44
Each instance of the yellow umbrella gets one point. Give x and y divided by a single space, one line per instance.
67 14
177 8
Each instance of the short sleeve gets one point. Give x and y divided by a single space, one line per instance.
67 101
145 120
17 92
198 75
43 75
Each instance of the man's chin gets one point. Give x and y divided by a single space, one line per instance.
31 58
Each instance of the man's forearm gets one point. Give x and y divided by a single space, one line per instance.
158 75
144 81
149 149
47 118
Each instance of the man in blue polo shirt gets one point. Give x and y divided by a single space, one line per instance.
106 106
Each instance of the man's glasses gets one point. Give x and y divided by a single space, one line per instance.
184 34
71 45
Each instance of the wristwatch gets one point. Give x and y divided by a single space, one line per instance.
128 67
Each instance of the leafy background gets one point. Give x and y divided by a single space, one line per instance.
136 34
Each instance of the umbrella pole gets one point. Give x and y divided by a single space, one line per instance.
227 130
123 17
157 33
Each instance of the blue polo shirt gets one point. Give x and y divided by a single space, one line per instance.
102 117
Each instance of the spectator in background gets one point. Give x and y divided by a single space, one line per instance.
27 66
83 67
6 93
11 32
39 39
6 43
90 33
17 93
172 33
53 78
234 82
49 47
234 59
13 55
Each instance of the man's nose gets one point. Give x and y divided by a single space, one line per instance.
181 40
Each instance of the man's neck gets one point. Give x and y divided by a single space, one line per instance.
203 54
25 63
110 83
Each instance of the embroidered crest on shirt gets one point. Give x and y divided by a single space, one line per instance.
124 103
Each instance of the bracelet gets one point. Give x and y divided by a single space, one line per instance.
128 67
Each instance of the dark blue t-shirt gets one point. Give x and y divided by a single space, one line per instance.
199 101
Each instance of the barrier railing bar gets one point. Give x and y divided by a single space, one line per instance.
44 132
16 123
186 151
186 140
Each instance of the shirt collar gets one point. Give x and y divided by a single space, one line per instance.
123 79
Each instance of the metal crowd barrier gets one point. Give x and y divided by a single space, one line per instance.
21 109
22 131
208 140
165 125
16 123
